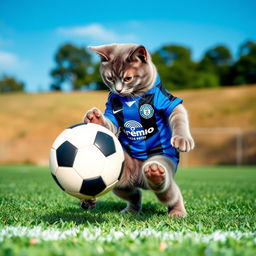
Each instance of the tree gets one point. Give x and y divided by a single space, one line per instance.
170 54
178 71
244 70
96 77
10 84
72 66
174 65
217 61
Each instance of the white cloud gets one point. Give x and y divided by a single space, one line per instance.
10 61
96 32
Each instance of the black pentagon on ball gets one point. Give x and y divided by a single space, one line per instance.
105 143
92 187
75 125
56 180
66 154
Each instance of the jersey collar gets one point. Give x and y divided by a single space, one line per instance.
157 82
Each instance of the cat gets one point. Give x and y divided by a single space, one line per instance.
141 112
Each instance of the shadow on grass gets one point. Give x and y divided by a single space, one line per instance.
105 211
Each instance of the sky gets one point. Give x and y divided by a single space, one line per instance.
32 31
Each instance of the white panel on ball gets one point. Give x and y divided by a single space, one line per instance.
53 161
61 138
119 149
113 163
92 166
103 129
82 135
69 179
110 173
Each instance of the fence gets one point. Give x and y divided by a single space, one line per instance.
214 146
233 146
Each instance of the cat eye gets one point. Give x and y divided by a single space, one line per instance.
110 78
128 79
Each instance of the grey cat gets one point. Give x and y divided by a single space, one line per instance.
128 71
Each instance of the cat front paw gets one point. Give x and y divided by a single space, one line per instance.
88 203
94 115
183 143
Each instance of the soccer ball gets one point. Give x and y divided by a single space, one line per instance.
86 160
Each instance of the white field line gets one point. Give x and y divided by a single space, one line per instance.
96 234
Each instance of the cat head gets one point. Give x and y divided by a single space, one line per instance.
126 69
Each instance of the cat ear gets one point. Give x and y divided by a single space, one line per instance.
103 50
139 53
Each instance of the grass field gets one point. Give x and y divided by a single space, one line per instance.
37 218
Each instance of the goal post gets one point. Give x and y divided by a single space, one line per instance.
205 139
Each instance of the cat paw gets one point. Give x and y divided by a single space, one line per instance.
182 143
88 203
177 213
155 174
93 115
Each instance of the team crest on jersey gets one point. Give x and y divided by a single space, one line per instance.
146 111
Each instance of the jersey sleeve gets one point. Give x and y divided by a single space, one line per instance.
109 112
166 102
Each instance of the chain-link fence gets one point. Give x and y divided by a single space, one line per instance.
214 146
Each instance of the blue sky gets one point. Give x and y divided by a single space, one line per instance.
32 31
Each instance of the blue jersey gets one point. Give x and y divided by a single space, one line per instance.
143 122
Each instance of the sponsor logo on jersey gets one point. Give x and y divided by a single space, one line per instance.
134 130
146 111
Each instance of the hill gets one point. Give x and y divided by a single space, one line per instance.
30 122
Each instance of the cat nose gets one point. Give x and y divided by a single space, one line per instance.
118 86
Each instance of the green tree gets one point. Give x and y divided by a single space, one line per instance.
206 80
217 61
175 66
10 84
244 70
179 71
73 66
96 77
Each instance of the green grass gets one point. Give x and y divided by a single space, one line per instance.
217 198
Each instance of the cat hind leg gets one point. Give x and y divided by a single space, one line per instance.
133 198
158 172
